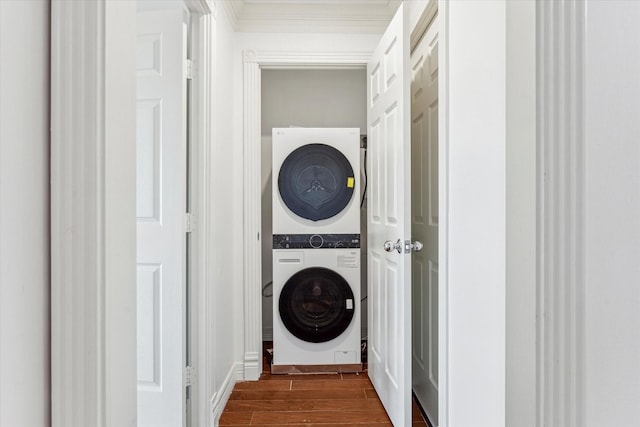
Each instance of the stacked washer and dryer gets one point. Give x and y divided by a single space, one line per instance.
316 250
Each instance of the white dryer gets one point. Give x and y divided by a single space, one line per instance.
316 180
316 306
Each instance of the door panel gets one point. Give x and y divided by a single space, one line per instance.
424 220
389 219
161 171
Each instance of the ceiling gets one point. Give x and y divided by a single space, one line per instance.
310 16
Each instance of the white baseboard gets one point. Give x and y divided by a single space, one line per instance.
252 366
221 396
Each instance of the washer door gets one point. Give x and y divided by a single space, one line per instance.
316 181
316 304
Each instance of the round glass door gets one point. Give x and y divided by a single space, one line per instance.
316 181
316 304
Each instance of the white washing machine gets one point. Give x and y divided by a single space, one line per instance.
316 306
316 180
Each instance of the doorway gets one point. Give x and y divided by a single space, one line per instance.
306 98
432 313
255 64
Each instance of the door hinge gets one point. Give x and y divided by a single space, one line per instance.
189 222
189 375
188 69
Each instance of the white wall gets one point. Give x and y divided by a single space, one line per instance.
521 214
227 225
314 98
306 43
307 98
475 98
24 214
612 206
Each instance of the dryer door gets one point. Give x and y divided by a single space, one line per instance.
316 304
316 181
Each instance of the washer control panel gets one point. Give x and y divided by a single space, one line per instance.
316 241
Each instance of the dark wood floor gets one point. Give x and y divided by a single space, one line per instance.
307 400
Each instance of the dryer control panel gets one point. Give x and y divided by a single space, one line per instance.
316 241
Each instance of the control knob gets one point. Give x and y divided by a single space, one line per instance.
316 241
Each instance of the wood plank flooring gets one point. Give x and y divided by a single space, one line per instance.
307 400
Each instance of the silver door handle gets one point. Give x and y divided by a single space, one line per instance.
389 246
415 246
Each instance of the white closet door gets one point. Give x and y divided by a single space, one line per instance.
161 166
389 287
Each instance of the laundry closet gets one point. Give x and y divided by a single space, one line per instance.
320 99
306 98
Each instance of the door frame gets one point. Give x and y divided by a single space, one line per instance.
254 62
93 257
201 158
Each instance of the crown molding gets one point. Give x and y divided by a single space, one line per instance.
233 9
310 16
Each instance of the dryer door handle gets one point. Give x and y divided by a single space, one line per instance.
390 246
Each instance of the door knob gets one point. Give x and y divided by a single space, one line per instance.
389 246
415 246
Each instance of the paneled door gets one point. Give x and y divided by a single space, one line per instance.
424 219
161 206
389 265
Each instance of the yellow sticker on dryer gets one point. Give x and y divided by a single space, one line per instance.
350 182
